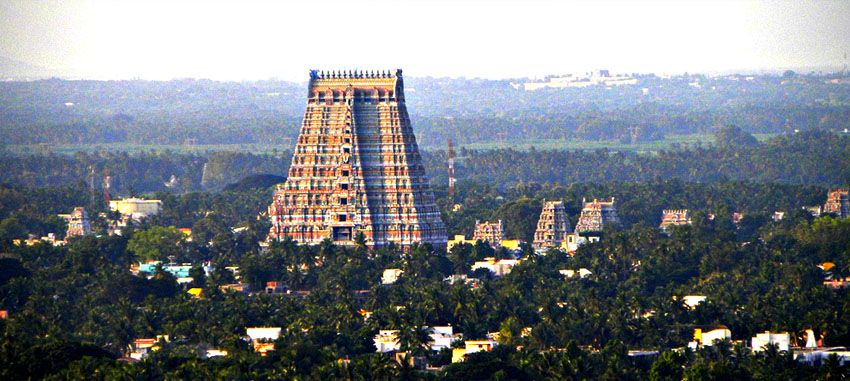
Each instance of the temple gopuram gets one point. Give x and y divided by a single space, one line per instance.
595 214
356 168
675 217
838 203
491 232
552 226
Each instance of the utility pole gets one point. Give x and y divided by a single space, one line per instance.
452 179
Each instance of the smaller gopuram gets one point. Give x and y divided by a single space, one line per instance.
491 232
552 227
78 223
595 214
675 217
838 203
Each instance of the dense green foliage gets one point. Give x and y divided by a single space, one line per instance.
74 309
465 110
813 157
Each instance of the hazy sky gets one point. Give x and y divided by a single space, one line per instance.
492 39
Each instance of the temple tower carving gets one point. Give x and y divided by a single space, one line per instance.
552 227
595 214
356 167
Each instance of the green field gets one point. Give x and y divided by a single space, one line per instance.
560 144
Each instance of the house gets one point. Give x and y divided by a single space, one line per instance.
582 273
391 276
708 337
136 207
459 240
781 340
387 341
195 292
458 354
574 240
498 268
235 287
262 338
179 271
778 216
818 356
473 346
675 217
209 353
275 288
441 337
4 314
692 301
512 245
141 348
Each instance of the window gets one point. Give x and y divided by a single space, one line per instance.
343 201
342 217
343 186
344 172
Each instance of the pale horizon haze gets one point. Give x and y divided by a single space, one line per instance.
229 40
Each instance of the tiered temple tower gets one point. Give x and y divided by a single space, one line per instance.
673 217
78 223
552 227
838 202
356 167
595 214
492 232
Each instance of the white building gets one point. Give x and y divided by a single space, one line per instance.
761 340
391 276
692 301
708 338
387 341
498 268
473 346
441 337
582 273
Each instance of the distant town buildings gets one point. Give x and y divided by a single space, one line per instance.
552 227
675 217
599 77
595 214
838 203
491 232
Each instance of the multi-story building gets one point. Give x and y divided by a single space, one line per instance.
492 232
136 207
552 226
356 168
595 214
838 203
675 217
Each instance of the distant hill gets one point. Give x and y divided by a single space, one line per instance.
262 181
